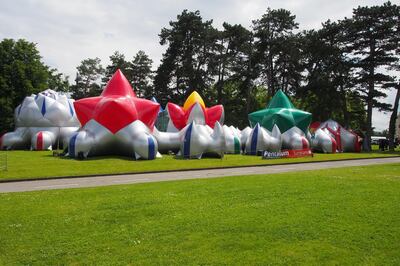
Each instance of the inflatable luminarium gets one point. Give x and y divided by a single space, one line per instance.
116 122
292 124
199 139
193 109
42 122
331 137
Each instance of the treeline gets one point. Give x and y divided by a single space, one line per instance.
341 71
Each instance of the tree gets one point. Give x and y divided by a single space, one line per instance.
21 74
142 75
187 63
233 47
58 81
88 77
395 40
393 117
234 74
276 50
327 91
371 30
117 62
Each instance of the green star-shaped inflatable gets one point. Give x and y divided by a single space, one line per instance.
281 112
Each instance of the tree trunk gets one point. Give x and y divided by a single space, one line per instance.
393 118
369 122
221 71
344 107
247 83
221 81
370 96
270 76
248 95
221 85
218 84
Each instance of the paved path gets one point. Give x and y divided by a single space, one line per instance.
96 181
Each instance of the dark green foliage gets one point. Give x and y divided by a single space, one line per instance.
395 66
187 64
117 62
236 103
88 78
235 74
21 74
234 51
141 75
58 81
277 52
371 33
327 92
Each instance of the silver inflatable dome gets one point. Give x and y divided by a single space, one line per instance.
42 121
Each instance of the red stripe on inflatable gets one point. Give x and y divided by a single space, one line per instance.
357 145
337 137
305 143
1 140
39 142
334 145
339 140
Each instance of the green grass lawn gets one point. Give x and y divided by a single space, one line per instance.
340 216
42 164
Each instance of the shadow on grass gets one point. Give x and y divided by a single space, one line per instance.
96 158
127 158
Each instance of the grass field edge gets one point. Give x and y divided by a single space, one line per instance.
10 180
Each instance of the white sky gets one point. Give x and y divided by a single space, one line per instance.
66 32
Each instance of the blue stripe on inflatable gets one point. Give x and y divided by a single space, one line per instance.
37 95
186 142
254 137
44 106
19 109
152 152
70 109
71 148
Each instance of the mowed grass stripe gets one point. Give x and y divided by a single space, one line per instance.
335 216
42 164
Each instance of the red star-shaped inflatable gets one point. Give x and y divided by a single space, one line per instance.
180 115
117 106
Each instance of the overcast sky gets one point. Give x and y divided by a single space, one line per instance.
66 32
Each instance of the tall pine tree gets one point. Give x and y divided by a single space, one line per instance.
275 46
88 78
117 61
185 64
370 31
142 75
